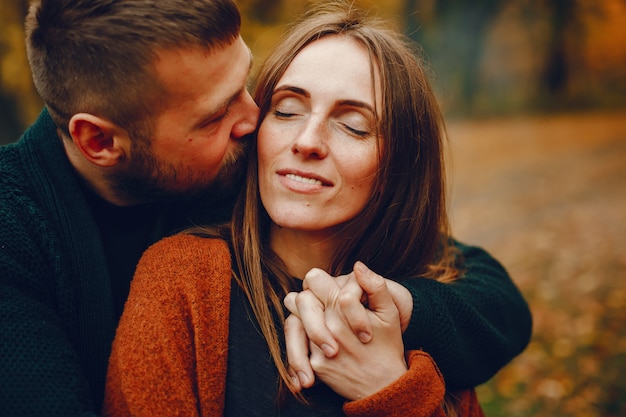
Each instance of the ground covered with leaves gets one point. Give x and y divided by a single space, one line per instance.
547 197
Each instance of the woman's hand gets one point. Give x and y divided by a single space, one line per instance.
356 347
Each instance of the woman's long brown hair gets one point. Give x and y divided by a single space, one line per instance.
403 230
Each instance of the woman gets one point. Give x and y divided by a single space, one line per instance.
348 156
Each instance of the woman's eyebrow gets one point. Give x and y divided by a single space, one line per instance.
305 93
356 103
293 89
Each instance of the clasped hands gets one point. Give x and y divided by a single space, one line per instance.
347 331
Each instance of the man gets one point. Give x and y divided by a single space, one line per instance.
143 135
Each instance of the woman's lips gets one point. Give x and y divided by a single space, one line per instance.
305 177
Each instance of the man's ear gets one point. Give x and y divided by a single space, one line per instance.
100 141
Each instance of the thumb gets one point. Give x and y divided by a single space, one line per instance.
379 299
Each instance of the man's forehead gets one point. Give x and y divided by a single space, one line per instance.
192 67
202 83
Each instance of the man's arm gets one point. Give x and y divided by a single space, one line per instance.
472 327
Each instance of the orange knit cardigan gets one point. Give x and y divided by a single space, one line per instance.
169 356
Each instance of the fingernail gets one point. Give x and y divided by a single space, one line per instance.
361 267
364 337
304 379
328 350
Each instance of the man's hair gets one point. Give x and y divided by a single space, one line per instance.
96 56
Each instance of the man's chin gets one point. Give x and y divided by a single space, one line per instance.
225 187
142 184
217 191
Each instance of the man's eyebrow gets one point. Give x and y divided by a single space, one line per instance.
249 66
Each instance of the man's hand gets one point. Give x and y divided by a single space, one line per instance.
333 316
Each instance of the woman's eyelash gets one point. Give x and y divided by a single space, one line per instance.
279 113
357 132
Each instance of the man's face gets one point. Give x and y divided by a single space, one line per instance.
196 141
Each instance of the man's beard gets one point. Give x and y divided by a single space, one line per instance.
149 180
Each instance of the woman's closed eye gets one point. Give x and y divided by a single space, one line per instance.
356 131
288 107
355 123
282 114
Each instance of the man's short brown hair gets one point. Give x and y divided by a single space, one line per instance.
96 56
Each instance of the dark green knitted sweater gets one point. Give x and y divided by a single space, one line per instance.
57 302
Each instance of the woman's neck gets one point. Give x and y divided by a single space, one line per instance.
302 250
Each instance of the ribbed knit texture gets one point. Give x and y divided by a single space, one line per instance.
471 327
169 355
170 352
56 328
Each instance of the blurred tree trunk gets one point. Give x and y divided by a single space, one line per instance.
453 37
555 76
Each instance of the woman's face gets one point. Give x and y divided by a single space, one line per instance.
317 146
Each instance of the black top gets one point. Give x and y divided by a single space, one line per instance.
252 379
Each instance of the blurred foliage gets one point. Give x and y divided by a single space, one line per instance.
488 57
546 196
19 102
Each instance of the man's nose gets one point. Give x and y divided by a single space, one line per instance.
249 116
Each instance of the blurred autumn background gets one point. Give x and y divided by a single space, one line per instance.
534 93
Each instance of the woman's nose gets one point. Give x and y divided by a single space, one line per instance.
312 140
